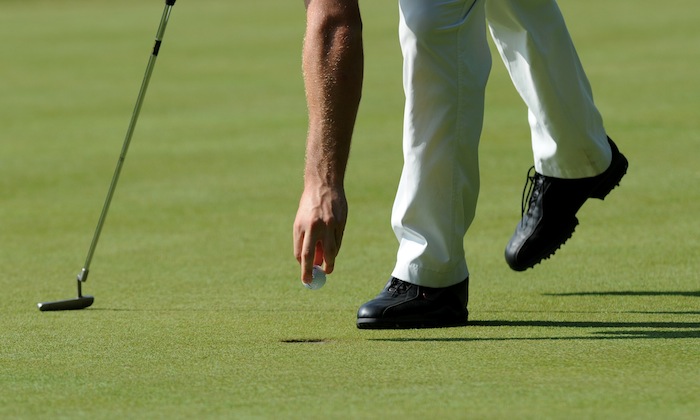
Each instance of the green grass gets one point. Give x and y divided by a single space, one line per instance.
199 312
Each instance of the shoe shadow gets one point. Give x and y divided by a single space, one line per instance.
626 331
586 324
600 335
689 293
664 312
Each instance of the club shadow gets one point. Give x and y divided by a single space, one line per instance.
151 310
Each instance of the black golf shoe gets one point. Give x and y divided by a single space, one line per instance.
406 305
550 218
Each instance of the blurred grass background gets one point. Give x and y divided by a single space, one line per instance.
198 309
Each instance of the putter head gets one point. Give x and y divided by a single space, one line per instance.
80 302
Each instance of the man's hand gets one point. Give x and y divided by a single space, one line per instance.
318 229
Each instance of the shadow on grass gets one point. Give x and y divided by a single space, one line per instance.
665 312
585 324
627 331
630 293
602 335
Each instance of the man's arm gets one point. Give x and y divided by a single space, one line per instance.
333 72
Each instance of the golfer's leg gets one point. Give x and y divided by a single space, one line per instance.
446 65
568 137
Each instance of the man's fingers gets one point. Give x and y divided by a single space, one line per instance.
330 250
306 269
317 236
308 255
298 243
321 253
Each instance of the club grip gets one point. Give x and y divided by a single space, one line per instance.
170 2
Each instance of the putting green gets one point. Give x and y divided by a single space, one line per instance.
198 309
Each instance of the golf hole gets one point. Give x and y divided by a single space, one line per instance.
305 341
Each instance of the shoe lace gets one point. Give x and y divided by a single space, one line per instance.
398 287
531 190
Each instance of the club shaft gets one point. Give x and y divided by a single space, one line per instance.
127 139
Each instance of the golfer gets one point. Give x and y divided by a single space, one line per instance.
446 64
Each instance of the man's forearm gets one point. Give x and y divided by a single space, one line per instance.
333 73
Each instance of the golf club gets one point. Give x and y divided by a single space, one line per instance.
81 301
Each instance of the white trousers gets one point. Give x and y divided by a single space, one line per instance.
446 67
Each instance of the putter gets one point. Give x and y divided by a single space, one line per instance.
82 302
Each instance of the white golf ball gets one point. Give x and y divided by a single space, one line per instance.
319 279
